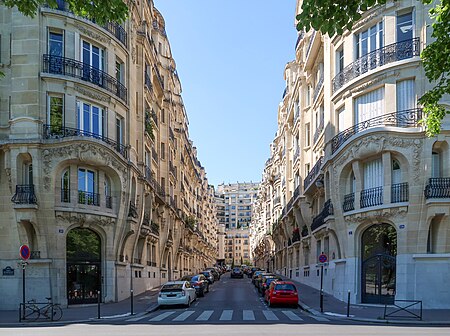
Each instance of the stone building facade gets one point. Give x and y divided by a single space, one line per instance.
352 173
99 177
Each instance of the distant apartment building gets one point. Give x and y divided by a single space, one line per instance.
234 211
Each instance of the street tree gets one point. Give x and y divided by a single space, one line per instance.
332 17
102 11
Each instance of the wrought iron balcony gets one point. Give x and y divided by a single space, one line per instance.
319 130
88 198
399 192
377 58
112 27
154 155
157 187
73 68
24 194
65 195
57 132
148 82
35 254
438 187
318 88
407 118
313 173
297 191
371 197
132 211
319 220
349 202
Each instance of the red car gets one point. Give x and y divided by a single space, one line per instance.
281 292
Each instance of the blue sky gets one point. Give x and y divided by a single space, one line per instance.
230 57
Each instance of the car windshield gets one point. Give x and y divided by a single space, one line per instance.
288 287
171 287
237 270
195 278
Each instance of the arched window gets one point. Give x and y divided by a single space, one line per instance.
107 186
65 186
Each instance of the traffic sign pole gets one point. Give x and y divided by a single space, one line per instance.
24 253
322 259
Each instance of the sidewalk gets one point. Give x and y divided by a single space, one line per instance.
142 303
309 300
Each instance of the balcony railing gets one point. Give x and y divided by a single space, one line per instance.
24 194
313 173
319 130
438 187
112 27
159 190
154 155
57 132
399 192
148 82
371 197
88 198
349 202
132 211
377 58
69 67
407 118
65 195
319 220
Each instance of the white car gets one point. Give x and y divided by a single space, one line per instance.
177 293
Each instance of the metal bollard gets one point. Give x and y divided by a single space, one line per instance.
98 304
348 303
321 300
131 301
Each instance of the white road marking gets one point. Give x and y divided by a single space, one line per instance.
292 316
227 315
319 318
205 315
184 316
162 316
270 315
248 315
134 319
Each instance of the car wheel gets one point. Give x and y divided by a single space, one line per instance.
207 288
202 292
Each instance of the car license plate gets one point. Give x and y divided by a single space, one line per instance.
171 295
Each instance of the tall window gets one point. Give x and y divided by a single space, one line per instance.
341 119
369 40
340 60
369 106
396 172
91 118
93 59
307 135
107 187
435 164
65 186
120 75
405 27
119 130
373 174
87 187
163 151
55 114
406 95
55 44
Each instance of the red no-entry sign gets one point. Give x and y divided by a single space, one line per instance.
24 252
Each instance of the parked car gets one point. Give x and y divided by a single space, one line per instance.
209 276
214 272
255 275
176 293
265 283
281 292
199 282
237 273
258 279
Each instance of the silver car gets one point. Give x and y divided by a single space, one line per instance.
177 293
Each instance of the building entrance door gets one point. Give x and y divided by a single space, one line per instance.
83 266
378 269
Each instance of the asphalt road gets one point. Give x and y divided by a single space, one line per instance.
233 307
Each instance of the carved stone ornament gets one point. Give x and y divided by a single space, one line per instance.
369 17
92 94
377 216
85 219
93 35
84 152
134 54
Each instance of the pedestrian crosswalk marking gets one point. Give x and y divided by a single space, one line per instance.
227 315
184 316
320 319
247 315
162 316
205 315
270 315
137 318
291 315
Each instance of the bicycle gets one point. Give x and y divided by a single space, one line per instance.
51 311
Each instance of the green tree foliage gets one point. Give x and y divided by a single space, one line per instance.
102 11
333 16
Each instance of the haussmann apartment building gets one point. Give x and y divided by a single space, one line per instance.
352 174
98 174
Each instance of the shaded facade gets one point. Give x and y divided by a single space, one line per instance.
99 176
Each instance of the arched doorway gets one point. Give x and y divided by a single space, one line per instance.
378 255
83 266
